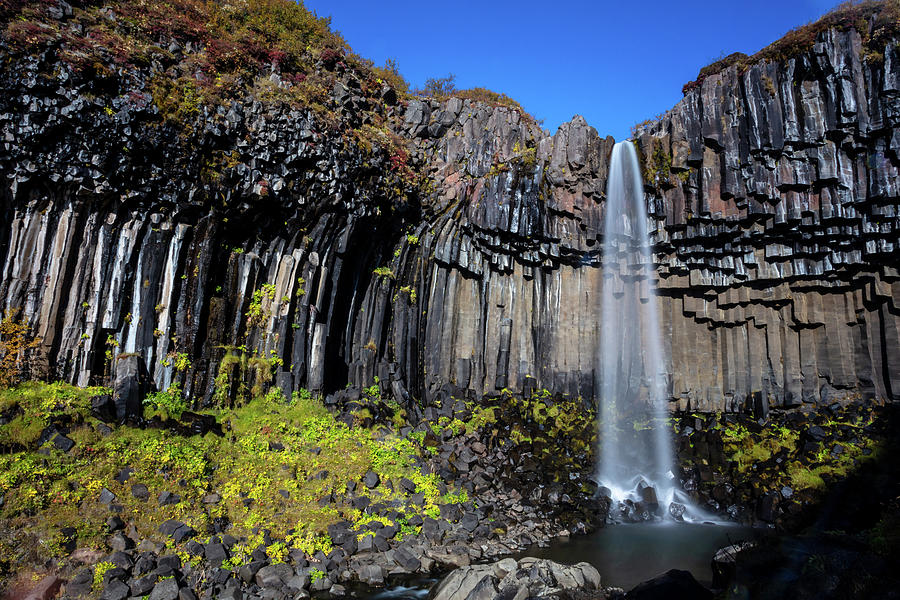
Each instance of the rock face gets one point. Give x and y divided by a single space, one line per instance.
772 193
776 198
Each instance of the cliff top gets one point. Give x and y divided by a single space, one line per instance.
876 21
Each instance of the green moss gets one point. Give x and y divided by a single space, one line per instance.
264 469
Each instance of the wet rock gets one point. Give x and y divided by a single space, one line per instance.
337 590
648 497
676 510
320 585
724 563
672 585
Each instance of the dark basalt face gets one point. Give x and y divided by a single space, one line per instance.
772 194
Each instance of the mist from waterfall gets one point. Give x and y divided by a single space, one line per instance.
635 449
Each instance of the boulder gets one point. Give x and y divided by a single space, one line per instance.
130 388
525 578
672 585
103 408
46 589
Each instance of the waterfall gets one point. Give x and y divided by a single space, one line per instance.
635 451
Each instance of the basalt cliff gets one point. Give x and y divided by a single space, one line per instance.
448 247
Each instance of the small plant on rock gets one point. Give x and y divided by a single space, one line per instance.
170 403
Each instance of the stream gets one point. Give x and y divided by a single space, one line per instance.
626 555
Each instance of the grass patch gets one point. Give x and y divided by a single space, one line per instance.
282 466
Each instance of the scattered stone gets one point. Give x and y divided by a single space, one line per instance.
216 554
168 528
80 584
167 589
166 497
103 408
114 523
186 594
166 565
62 443
371 479
274 575
183 533
106 496
119 541
142 586
140 491
115 590
124 474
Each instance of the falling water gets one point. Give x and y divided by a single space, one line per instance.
635 452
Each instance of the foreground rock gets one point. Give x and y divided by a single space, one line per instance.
527 578
672 585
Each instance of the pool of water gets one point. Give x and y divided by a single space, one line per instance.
627 554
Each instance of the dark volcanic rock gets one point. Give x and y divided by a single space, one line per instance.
772 189
167 589
673 585
131 385
140 491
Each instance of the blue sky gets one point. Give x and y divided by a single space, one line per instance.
615 63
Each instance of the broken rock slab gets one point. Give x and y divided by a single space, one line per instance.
526 578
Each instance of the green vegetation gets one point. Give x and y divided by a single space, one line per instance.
168 404
30 407
439 87
442 88
275 463
240 367
386 272
798 468
877 21
17 347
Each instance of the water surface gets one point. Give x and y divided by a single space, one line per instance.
627 554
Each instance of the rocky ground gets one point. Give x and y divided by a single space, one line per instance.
282 495
285 498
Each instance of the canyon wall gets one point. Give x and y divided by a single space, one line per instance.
298 255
